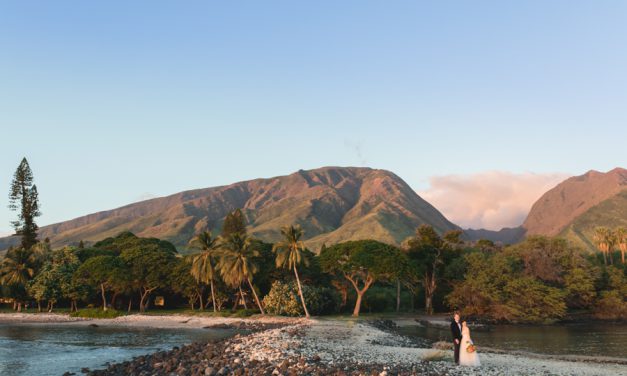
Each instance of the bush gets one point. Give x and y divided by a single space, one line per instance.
95 313
283 300
435 356
611 306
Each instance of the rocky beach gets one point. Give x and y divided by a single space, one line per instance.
283 346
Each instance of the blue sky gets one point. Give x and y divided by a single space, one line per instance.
115 101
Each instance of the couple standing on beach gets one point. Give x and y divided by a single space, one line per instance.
465 351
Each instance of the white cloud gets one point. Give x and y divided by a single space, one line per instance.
491 199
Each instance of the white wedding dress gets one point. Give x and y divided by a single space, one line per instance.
466 358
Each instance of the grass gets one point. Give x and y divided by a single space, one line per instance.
435 356
96 313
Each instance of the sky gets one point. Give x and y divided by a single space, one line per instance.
114 102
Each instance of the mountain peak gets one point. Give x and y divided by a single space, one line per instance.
332 204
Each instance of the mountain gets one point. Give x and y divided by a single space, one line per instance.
579 204
332 204
506 235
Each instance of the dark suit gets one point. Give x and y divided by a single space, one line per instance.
456 332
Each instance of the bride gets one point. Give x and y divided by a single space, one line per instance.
467 358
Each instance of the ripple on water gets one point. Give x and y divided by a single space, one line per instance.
54 349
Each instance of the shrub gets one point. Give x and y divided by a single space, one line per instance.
443 345
95 313
611 306
435 356
283 300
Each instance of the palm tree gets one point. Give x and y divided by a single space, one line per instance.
621 239
236 263
203 263
604 239
17 269
290 253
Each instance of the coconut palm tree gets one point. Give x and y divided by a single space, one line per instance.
17 269
290 253
236 263
604 239
203 263
621 239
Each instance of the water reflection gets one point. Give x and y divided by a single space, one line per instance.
570 339
53 350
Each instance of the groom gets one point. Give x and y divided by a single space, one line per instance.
456 332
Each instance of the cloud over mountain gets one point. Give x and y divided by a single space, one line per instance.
491 199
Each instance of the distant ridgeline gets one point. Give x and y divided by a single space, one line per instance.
335 204
573 210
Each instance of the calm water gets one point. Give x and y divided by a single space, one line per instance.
568 339
54 349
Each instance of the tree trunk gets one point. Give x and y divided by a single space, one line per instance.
142 301
113 298
429 304
256 297
51 306
241 295
202 307
398 295
300 292
213 298
130 304
360 294
104 297
39 306
19 306
429 286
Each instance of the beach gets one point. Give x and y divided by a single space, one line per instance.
279 345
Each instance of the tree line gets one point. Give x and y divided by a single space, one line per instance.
538 280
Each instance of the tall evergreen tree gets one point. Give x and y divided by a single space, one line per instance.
23 197
234 223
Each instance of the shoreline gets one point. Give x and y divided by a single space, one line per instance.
173 321
316 347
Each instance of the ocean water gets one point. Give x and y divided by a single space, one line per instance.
37 349
589 339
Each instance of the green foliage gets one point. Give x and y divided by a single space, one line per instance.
429 257
23 197
234 223
529 300
182 282
128 240
611 306
18 267
84 254
149 266
529 282
283 300
93 313
362 263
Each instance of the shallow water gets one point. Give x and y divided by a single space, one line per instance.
604 339
35 349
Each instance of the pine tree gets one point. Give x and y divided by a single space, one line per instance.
23 197
234 223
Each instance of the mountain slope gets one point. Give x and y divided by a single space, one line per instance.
332 204
579 204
